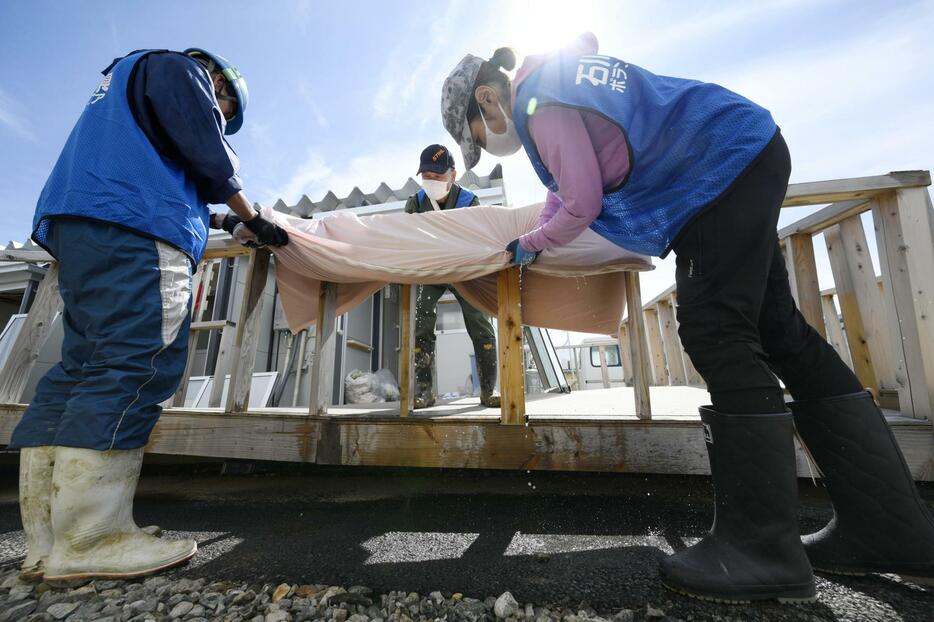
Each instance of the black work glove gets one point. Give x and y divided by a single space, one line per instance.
226 221
267 232
520 256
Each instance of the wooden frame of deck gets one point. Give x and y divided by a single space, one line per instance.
896 356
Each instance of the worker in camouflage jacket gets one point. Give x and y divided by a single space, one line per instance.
439 192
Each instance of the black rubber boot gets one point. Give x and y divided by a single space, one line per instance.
753 550
880 523
424 389
485 350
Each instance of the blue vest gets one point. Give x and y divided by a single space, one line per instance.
464 198
688 141
109 171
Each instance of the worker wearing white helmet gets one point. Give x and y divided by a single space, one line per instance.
125 214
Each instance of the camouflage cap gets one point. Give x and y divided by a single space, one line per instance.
455 97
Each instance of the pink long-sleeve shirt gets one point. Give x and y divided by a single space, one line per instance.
584 152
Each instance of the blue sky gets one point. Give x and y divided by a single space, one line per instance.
346 93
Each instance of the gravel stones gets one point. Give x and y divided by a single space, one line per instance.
181 609
505 606
170 598
60 611
18 609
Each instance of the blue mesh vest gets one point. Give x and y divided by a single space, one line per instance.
688 141
464 198
109 171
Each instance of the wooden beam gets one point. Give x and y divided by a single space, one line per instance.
656 347
407 295
641 374
625 354
212 325
201 283
905 234
849 306
243 352
604 372
835 329
601 444
222 366
322 364
672 343
509 320
824 218
803 278
221 247
665 295
871 311
815 193
25 350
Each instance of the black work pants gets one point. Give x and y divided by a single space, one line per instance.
738 320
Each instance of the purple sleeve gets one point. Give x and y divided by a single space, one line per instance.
552 203
564 145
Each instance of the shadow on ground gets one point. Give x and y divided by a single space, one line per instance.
546 537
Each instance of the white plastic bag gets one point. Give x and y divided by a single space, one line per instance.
369 388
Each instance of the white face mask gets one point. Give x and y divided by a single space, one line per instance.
501 144
435 189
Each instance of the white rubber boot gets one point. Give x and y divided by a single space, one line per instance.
35 490
92 519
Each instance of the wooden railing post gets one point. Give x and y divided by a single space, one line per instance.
32 335
835 329
225 354
322 366
639 351
672 343
243 352
625 354
407 350
866 289
849 306
656 347
604 372
509 322
905 234
200 287
802 274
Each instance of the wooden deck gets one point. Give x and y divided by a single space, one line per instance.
594 430
883 328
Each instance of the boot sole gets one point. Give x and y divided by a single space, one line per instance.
38 574
33 574
919 580
785 596
122 575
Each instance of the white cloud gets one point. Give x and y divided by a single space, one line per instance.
308 97
393 163
13 117
416 67
305 179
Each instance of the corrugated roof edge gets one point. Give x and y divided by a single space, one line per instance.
306 208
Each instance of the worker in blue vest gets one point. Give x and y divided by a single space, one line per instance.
658 164
439 192
124 212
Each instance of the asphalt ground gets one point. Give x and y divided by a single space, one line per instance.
549 538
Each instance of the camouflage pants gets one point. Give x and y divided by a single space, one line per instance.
479 328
